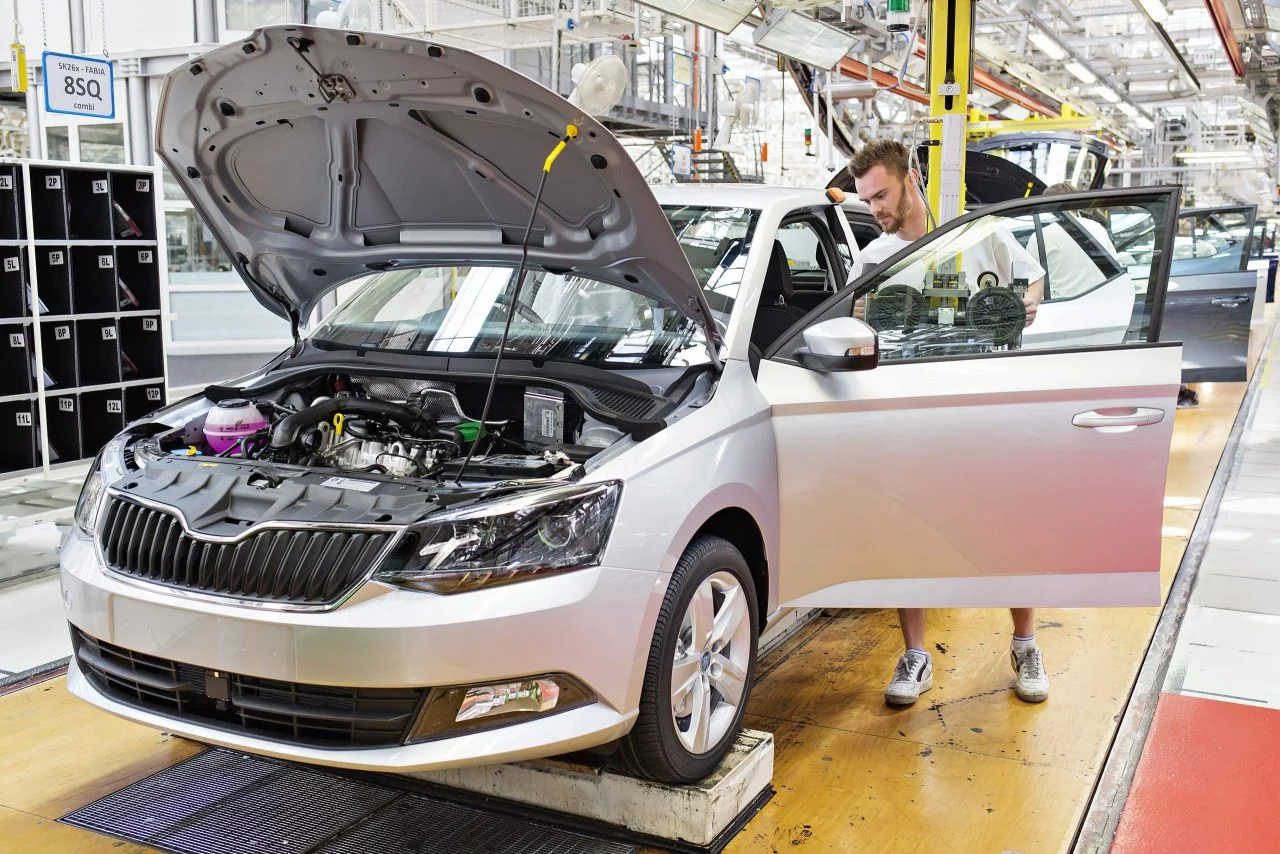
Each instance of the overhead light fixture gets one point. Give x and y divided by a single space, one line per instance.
1128 109
1215 156
1106 93
1047 45
1144 122
1081 73
803 38
723 16
1155 10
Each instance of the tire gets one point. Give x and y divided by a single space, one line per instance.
666 743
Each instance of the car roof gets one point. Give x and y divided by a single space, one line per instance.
759 196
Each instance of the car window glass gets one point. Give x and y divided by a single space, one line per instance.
1054 161
806 256
845 250
715 240
964 291
1209 242
1074 249
465 310
864 228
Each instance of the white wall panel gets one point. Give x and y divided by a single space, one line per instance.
138 24
57 17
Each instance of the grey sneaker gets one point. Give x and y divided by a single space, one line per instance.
911 678
1032 685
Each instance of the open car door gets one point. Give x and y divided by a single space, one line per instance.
1210 304
976 464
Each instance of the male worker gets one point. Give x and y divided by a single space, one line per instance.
1074 271
885 180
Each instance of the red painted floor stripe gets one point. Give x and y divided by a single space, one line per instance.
1208 781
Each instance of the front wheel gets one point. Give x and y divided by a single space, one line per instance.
700 668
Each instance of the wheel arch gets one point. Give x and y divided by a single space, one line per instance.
740 528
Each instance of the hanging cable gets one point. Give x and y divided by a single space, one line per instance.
910 50
102 4
914 154
571 132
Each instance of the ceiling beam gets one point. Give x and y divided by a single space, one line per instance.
1218 11
861 71
997 85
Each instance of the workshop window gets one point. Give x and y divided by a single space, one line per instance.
191 248
251 14
102 143
57 143
968 290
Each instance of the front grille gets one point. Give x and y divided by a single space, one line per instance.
319 715
298 567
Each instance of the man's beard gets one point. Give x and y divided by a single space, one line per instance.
894 223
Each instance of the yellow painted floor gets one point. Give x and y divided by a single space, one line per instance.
969 768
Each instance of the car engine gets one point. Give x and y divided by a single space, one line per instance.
401 428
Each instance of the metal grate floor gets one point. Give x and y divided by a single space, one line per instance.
221 802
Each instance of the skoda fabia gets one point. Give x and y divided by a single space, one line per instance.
570 443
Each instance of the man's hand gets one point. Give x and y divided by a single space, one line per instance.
860 308
1032 299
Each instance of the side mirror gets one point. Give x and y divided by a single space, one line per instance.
840 344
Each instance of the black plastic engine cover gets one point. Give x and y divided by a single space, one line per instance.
224 498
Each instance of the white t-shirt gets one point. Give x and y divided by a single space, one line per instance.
1074 271
996 251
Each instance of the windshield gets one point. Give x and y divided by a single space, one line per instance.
463 310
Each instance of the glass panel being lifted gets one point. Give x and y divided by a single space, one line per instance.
1057 275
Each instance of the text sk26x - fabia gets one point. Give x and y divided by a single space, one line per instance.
335 561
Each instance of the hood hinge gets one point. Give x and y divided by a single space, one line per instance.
295 325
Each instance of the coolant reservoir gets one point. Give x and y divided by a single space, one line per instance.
230 421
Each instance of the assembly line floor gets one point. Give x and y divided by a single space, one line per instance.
968 768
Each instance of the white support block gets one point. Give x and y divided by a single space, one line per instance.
696 814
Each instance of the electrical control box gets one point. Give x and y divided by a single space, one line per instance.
543 417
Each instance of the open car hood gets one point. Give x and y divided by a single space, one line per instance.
318 155
988 179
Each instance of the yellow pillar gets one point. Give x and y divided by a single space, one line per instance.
949 54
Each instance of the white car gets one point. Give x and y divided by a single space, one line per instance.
334 561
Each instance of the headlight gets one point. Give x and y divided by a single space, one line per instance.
526 536
90 501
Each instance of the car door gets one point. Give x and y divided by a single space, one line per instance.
814 264
966 472
1209 307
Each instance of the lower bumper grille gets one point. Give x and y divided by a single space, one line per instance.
292 712
299 567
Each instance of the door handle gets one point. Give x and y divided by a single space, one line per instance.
1129 416
1229 302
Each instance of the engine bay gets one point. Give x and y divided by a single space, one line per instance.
396 428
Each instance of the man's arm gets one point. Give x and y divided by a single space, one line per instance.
1032 299
1020 260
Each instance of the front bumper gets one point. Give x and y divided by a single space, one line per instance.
566 732
595 625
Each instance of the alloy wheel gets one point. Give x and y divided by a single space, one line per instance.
709 671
